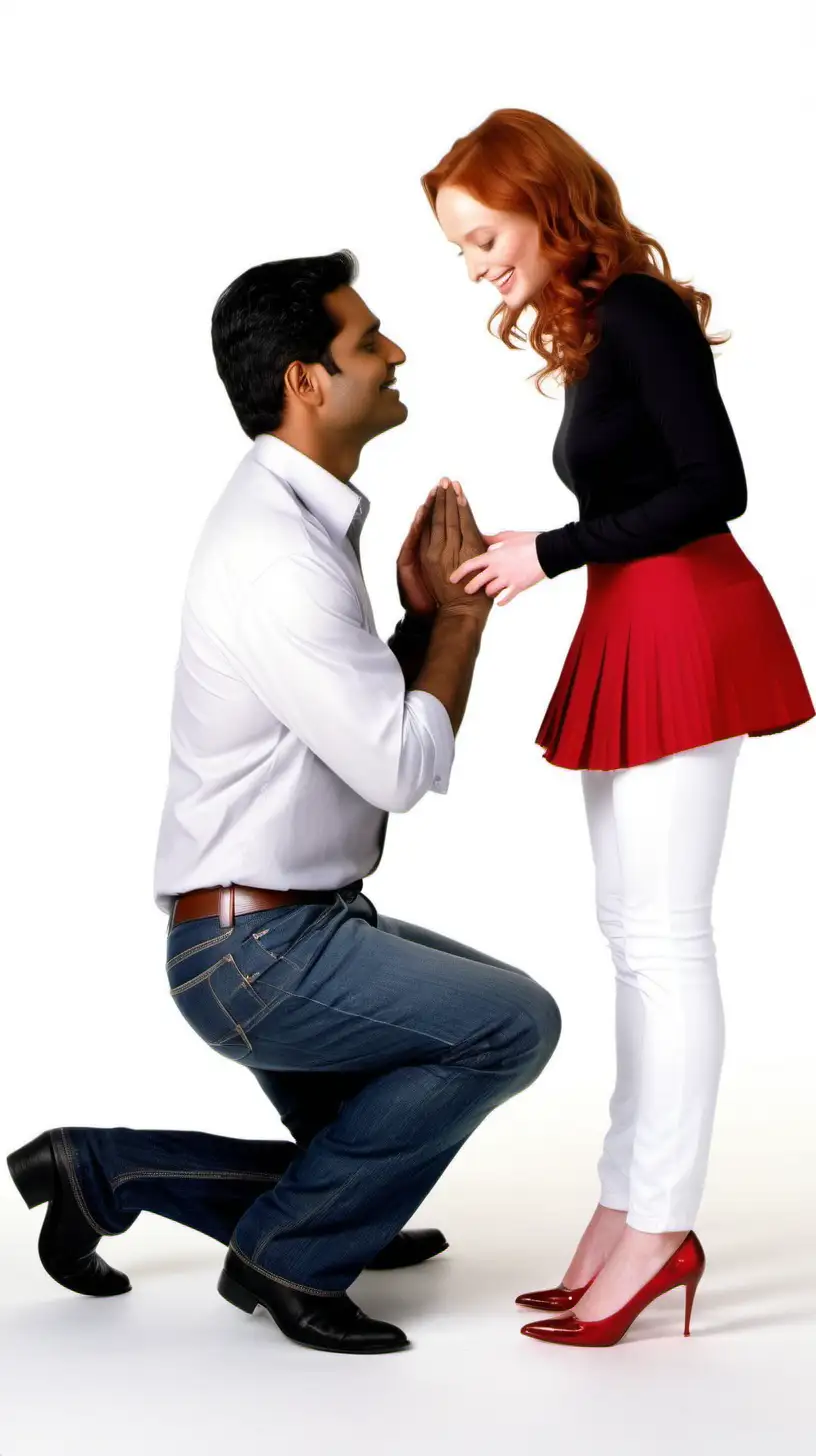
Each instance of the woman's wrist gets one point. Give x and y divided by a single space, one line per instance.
558 551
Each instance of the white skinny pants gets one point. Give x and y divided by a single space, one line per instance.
657 832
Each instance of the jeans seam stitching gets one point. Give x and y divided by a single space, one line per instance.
360 1016
324 914
308 930
192 1173
264 1011
210 971
278 1279
75 1188
202 976
205 945
248 981
331 1197
222 1041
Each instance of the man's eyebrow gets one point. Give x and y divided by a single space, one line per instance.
372 329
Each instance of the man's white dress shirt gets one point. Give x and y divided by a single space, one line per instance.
292 735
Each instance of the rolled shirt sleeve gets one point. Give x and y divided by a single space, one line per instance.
431 717
302 646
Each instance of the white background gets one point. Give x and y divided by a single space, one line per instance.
153 153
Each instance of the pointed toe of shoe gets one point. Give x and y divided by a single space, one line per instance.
91 1275
556 1331
112 1281
552 1299
375 1337
411 1246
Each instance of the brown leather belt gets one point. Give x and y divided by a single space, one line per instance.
227 901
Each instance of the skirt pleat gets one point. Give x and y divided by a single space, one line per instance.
672 652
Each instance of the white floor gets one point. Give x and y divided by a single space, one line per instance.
172 1368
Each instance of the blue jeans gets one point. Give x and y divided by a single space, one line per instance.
382 1046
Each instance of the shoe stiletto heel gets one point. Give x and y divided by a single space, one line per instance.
691 1290
685 1267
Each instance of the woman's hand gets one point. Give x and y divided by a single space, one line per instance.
509 565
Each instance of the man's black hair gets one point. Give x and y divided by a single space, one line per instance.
268 318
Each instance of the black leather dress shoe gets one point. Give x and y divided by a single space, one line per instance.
67 1241
322 1321
412 1246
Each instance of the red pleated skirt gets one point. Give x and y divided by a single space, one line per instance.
672 652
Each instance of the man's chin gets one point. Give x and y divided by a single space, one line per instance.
398 411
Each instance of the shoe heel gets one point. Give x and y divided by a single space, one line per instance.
32 1169
235 1293
691 1290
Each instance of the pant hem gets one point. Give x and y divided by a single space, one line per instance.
648 1225
289 1283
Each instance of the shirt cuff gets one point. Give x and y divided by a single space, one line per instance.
560 550
440 730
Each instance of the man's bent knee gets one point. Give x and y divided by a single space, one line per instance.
543 1032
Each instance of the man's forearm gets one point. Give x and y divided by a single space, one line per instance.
447 671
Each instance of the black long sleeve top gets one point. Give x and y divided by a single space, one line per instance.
645 443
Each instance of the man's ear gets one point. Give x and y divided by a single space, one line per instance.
302 384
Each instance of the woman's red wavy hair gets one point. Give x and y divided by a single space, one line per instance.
519 162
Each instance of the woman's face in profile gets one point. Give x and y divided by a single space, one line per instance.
502 247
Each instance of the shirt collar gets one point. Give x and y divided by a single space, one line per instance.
337 505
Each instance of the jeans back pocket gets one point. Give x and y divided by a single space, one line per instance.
225 982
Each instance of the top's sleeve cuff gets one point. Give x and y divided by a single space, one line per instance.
440 729
560 550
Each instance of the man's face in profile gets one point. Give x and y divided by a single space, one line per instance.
361 397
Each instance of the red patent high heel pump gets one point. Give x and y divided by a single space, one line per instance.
554 1299
686 1266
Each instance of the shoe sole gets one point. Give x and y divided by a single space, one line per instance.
245 1300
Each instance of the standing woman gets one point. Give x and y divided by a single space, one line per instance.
680 654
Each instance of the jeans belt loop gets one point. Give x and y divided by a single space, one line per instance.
226 907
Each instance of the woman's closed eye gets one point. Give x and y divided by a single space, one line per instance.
484 246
